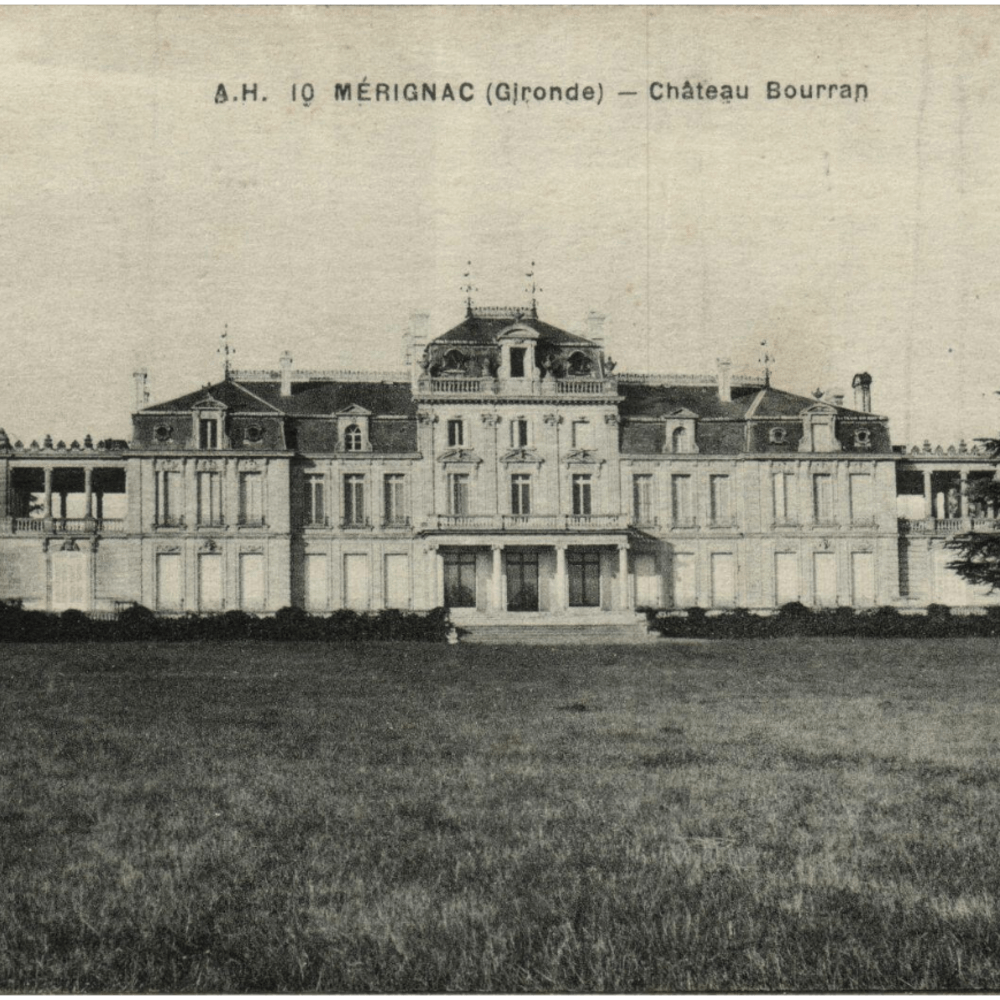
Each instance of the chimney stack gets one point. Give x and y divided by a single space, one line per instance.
595 328
862 386
141 381
286 374
417 340
838 399
725 379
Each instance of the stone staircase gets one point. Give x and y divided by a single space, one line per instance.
557 633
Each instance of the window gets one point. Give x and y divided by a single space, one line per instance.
519 433
583 435
678 441
209 498
784 497
584 578
163 433
168 499
823 498
456 434
208 432
719 498
681 506
458 493
255 433
460 579
352 438
861 497
517 362
315 500
642 499
778 435
394 497
580 364
581 495
863 439
251 498
354 500
520 494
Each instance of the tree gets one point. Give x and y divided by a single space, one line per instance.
978 559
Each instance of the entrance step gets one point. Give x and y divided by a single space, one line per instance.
592 633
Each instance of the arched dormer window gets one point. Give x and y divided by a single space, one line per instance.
454 361
678 440
352 438
579 364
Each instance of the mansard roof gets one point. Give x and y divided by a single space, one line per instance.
320 398
233 396
482 326
703 400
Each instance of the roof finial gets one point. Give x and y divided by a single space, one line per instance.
765 360
468 287
226 351
533 290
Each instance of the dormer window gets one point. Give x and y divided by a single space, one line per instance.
353 439
579 364
778 435
679 433
517 362
163 433
678 440
353 429
208 433
454 361
255 433
863 438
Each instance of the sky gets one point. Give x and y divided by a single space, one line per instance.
140 218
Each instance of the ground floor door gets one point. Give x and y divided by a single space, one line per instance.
685 580
69 581
584 578
522 581
209 581
786 578
252 581
169 581
647 581
397 580
356 581
460 579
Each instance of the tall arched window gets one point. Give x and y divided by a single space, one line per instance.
580 364
679 440
352 438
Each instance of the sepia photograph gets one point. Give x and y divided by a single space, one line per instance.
499 499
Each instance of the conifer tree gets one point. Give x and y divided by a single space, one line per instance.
978 559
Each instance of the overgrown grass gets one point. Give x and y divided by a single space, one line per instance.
804 814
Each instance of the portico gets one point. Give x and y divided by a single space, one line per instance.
583 575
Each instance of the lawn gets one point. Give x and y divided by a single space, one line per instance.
792 814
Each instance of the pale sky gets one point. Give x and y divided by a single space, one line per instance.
139 217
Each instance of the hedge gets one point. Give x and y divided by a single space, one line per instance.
798 620
289 624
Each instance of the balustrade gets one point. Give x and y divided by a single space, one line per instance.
947 525
65 525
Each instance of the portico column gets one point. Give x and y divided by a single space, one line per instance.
48 491
623 576
561 598
88 492
928 495
963 499
497 598
62 504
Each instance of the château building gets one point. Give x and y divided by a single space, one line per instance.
509 472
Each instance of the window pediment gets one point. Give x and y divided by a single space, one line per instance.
459 456
521 456
209 403
354 410
518 332
582 456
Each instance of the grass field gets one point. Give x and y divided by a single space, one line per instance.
801 814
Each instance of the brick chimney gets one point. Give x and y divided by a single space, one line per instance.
862 386
725 379
286 374
417 339
141 382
